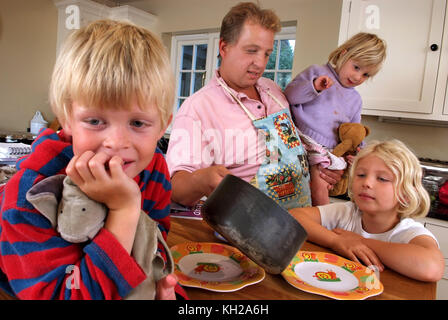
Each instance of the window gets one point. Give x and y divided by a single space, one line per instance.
279 66
195 58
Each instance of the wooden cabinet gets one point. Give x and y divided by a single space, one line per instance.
440 230
413 80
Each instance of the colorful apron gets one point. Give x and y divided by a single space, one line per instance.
283 175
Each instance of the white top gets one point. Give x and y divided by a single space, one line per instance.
347 216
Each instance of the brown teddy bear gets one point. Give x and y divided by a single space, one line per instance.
351 135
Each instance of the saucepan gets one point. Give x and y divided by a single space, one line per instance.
254 223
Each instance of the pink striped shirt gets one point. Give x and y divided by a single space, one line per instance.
211 128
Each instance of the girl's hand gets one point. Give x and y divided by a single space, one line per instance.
349 158
323 82
165 288
350 245
102 178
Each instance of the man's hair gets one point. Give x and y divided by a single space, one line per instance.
412 197
234 20
365 48
110 64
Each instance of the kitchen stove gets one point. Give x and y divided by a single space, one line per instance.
435 174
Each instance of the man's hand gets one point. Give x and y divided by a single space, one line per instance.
209 178
330 176
189 187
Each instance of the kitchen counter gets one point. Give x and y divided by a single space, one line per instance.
274 287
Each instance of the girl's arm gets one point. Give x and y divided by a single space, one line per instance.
420 259
309 218
351 247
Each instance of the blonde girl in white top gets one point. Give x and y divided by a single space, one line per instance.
377 226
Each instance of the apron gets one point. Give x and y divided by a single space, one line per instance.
283 175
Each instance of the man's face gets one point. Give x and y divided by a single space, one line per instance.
243 62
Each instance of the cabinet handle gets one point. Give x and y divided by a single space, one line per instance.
434 47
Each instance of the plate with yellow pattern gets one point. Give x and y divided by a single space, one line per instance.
214 266
332 276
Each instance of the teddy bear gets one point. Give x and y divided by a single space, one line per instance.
351 135
78 219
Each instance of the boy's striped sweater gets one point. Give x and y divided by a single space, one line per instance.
36 263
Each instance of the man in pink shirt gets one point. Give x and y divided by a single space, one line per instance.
212 134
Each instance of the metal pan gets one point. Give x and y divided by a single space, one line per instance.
254 223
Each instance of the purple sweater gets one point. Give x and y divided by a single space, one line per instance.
319 115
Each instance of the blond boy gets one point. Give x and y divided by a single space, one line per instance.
112 91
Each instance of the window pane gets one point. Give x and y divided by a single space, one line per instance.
187 57
201 56
286 54
283 78
185 80
218 61
269 75
272 57
199 79
180 101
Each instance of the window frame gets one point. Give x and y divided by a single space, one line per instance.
287 33
177 43
212 41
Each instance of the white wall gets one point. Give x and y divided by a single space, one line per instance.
28 30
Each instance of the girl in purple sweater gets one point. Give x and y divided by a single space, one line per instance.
324 97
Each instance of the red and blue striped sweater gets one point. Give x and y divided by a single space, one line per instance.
36 263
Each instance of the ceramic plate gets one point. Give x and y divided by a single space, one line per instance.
332 276
214 266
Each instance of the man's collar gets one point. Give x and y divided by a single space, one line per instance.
259 85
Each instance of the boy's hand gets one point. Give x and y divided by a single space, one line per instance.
165 288
350 245
102 178
322 82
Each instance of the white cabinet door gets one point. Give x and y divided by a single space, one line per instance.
407 81
445 109
439 229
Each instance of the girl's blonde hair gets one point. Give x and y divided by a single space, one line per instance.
365 48
110 64
412 197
